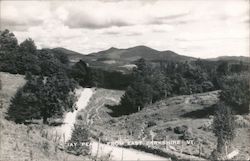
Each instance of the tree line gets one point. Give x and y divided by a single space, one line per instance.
153 82
49 90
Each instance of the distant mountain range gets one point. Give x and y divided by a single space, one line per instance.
129 54
231 58
134 53
119 59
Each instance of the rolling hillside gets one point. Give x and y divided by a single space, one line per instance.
129 54
134 53
182 117
19 142
122 59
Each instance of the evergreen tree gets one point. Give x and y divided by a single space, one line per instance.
56 96
43 97
81 73
8 41
127 103
24 106
223 68
8 50
140 92
162 87
49 64
28 45
236 93
223 127
79 139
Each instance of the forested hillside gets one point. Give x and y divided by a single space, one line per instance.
153 82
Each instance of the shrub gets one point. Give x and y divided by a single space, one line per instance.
180 129
151 123
79 117
77 143
46 147
188 134
207 86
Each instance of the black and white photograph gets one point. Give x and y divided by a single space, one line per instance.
124 80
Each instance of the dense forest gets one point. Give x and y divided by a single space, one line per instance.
51 80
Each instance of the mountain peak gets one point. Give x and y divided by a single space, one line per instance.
112 48
141 47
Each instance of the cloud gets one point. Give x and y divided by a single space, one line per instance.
169 19
86 21
111 33
192 27
17 15
18 25
96 14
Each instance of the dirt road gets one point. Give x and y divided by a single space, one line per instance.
116 153
84 95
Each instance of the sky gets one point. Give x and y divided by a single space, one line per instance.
197 28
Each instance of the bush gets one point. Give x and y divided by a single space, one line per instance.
188 134
46 147
216 156
79 117
151 123
180 129
207 86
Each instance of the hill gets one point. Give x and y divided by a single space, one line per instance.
72 55
137 52
176 118
19 142
123 59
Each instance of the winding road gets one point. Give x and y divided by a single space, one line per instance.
116 153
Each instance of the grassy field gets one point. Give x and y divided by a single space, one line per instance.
20 142
165 120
